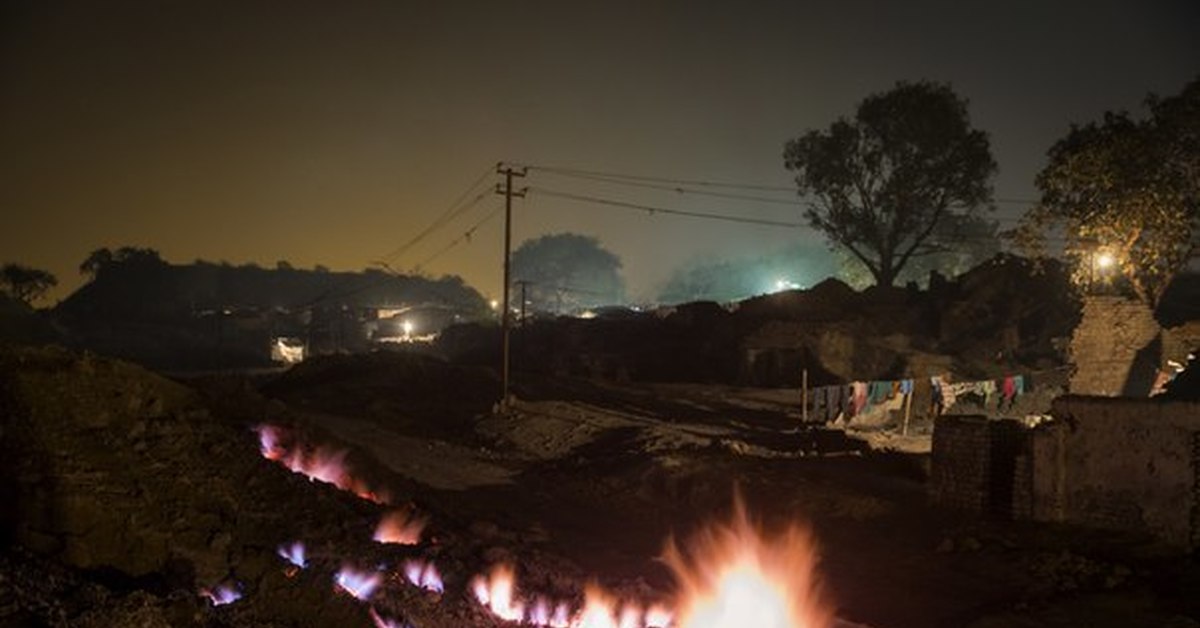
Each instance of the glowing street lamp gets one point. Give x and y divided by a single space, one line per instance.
1102 266
408 329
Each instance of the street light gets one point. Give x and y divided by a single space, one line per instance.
1102 266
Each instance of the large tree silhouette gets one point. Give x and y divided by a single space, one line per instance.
565 272
25 284
1126 193
879 184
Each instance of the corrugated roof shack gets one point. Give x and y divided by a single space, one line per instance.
1109 463
1124 464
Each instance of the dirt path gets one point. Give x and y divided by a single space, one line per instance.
434 463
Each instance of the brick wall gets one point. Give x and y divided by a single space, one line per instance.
960 461
1106 345
981 466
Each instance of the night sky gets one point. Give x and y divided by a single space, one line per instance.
331 132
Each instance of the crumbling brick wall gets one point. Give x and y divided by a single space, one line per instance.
1124 464
981 466
960 462
1110 348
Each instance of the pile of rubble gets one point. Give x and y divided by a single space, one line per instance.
129 503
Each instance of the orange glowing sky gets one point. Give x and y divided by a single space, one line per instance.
330 132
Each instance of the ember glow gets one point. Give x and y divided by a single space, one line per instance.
360 584
402 527
423 575
222 595
731 575
293 553
321 463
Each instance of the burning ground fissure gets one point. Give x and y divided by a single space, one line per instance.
730 574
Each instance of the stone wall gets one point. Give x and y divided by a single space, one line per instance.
1124 464
1116 349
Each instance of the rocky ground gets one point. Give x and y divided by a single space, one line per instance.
129 493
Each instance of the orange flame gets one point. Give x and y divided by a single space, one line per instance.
323 464
732 576
498 593
402 527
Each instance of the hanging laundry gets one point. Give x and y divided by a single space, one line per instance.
906 386
831 403
988 389
859 399
1008 389
878 392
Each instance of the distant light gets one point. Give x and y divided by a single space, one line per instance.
408 328
785 284
495 304
287 350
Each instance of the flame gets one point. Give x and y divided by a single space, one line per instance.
360 584
423 575
402 527
733 576
599 610
658 617
293 553
324 464
222 594
541 615
497 593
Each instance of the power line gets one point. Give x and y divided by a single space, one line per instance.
451 212
682 190
652 209
629 179
466 236
637 177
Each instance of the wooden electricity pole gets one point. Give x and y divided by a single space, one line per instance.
524 283
505 322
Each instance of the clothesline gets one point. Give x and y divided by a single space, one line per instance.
828 403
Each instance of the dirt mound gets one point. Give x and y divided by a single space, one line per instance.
827 301
124 476
390 387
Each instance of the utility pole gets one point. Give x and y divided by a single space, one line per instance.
505 322
524 283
